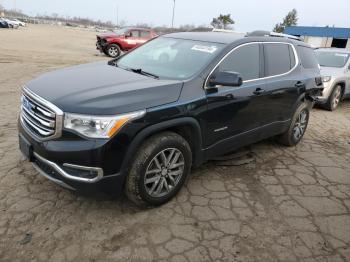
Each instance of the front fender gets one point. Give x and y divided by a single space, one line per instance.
166 125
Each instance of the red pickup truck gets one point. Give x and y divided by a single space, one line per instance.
123 40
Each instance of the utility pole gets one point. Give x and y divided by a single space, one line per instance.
117 16
172 21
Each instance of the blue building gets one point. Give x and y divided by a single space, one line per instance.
322 36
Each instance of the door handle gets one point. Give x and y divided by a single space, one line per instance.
259 91
300 84
229 96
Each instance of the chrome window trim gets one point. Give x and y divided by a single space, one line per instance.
256 79
58 120
63 173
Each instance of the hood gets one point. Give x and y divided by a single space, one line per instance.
109 34
331 71
101 89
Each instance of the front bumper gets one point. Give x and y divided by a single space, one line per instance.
327 90
101 45
51 171
76 163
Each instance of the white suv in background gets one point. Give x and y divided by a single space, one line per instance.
335 69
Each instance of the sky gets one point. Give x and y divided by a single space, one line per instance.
249 15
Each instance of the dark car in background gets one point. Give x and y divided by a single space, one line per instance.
3 24
112 44
140 122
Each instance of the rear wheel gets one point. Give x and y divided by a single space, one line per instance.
334 98
297 127
113 50
159 170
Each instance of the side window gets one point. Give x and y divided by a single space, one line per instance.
307 57
244 60
134 33
292 57
145 34
279 59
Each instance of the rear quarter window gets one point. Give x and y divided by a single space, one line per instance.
308 57
145 33
279 58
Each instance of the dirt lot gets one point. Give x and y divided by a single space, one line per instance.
277 204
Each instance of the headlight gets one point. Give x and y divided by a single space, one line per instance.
99 126
326 79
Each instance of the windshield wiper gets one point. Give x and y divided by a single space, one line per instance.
141 72
113 62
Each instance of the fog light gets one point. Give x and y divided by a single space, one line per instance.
82 172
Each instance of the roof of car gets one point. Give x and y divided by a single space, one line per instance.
215 37
137 28
228 38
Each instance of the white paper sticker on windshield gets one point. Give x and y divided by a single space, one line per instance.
342 55
204 48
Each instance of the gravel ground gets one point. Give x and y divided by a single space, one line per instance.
268 203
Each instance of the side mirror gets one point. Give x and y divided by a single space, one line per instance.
128 34
226 78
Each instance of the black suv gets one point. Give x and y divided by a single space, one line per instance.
140 122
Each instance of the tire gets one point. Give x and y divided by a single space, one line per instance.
113 50
334 98
298 126
144 185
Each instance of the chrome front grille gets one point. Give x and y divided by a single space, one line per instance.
41 118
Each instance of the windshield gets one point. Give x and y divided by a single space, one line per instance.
171 58
332 59
121 31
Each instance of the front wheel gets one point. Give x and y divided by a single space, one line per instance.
113 50
297 127
159 170
334 98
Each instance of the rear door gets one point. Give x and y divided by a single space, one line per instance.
283 81
145 35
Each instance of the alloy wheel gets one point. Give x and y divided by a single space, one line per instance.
113 51
336 97
300 125
164 172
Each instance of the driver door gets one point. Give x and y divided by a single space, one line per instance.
233 111
132 39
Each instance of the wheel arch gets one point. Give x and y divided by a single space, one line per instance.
118 43
187 127
114 43
342 85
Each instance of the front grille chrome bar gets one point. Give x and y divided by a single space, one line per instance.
31 124
40 118
47 122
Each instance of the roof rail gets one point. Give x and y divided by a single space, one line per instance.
273 34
